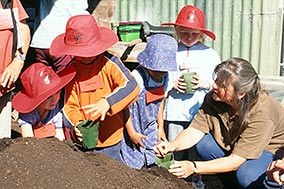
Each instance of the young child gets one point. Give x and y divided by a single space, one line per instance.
102 87
38 102
192 56
142 128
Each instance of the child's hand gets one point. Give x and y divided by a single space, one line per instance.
78 134
136 139
98 109
180 85
161 136
198 82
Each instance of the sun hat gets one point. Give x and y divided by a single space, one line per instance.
83 37
193 18
39 82
159 53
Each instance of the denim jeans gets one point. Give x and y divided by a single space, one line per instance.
251 174
111 151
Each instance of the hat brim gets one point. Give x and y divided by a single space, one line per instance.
142 59
108 38
205 31
24 104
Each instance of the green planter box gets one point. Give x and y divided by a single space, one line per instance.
129 32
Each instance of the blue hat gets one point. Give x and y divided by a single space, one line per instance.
159 54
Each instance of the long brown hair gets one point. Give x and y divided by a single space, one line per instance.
245 80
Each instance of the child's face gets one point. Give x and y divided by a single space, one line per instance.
188 37
86 60
157 75
50 102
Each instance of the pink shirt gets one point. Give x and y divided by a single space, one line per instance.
6 35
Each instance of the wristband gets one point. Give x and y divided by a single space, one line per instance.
195 167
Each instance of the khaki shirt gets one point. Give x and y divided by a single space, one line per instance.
265 130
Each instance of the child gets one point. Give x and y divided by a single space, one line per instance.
102 87
155 61
192 56
38 102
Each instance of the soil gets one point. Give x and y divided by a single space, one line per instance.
49 163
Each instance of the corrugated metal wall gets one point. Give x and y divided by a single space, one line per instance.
251 29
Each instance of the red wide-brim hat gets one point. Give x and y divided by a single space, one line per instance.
193 18
40 82
83 38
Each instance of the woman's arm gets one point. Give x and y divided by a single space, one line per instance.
183 169
186 139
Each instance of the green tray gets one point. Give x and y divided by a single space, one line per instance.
128 33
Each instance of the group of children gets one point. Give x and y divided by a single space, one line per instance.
147 112
130 107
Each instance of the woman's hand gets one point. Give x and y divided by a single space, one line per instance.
98 109
11 73
182 169
275 171
163 148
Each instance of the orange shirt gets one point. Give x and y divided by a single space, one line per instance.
118 87
6 37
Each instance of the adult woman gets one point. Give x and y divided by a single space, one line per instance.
235 130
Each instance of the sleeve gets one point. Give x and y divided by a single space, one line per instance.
58 120
77 7
200 122
71 109
138 79
28 119
215 59
21 11
172 77
125 86
254 138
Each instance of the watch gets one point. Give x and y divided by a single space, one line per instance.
21 56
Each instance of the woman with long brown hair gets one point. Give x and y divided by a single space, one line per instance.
238 131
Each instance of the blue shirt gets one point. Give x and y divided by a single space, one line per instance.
54 116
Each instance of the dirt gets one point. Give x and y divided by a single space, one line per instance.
49 163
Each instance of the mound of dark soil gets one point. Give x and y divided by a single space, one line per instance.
49 163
